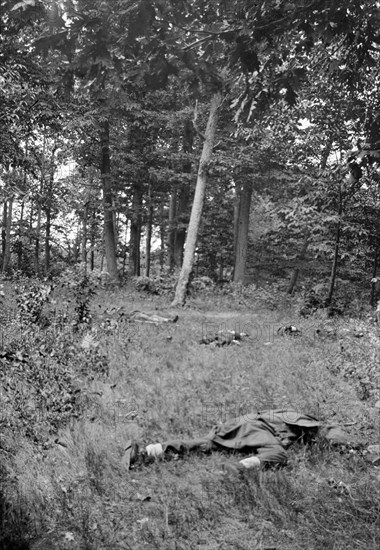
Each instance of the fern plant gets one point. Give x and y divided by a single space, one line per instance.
83 292
30 302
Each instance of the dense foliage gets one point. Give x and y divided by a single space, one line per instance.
121 122
103 110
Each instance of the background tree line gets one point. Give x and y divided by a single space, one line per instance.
250 132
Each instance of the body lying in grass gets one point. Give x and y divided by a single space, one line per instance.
263 436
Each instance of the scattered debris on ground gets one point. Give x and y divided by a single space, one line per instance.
224 338
290 330
112 318
141 317
372 454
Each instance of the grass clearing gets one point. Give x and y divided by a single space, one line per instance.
161 383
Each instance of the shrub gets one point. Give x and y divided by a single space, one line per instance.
30 302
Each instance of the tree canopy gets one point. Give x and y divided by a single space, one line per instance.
104 107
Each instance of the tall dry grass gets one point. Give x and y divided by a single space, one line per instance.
162 383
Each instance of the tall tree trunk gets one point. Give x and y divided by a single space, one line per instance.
4 229
76 246
125 247
183 195
135 237
49 199
374 274
115 218
334 268
181 225
93 239
236 218
39 208
109 233
196 211
221 269
172 228
7 249
84 237
149 233
301 256
37 240
31 235
47 240
19 238
21 219
326 153
162 238
241 241
374 284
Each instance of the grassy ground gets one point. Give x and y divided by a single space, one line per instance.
161 383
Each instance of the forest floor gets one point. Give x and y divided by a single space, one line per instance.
160 384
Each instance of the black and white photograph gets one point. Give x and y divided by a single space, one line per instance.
189 275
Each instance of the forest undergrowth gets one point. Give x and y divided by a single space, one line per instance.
78 380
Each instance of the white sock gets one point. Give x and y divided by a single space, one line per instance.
250 462
154 450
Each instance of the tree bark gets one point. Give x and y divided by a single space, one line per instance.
84 237
8 227
109 233
180 230
241 241
4 229
162 238
21 219
148 233
93 239
115 218
135 238
125 248
220 270
196 211
236 216
30 233
374 275
37 240
296 272
334 268
47 240
172 228
183 195
39 208
19 238
49 199
76 246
